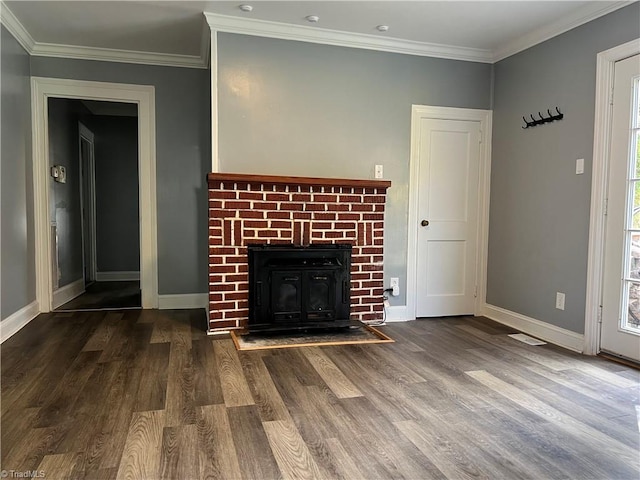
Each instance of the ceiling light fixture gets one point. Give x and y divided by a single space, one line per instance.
245 8
313 18
382 28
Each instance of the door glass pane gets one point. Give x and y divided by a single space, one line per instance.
633 302
636 140
634 258
635 221
630 320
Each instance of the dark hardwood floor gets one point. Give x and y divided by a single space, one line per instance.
145 394
106 296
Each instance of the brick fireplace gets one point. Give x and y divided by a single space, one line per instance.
261 209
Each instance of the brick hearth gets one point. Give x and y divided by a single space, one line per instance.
259 209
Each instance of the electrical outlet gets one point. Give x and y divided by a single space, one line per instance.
395 286
560 300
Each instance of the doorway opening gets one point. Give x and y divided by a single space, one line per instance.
606 62
97 207
619 331
142 99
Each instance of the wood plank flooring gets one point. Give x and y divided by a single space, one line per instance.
146 394
106 295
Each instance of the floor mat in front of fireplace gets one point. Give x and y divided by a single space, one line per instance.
353 335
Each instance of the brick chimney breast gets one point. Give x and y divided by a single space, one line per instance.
276 210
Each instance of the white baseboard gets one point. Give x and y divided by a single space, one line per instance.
187 300
67 293
537 328
10 325
397 313
117 276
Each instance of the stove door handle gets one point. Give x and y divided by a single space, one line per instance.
258 293
346 286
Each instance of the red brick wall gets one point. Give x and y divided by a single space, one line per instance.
247 210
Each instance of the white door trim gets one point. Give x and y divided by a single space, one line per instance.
215 131
90 170
605 64
449 113
144 97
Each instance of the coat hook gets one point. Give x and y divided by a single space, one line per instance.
542 120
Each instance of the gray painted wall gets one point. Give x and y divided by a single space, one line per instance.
117 203
64 200
294 108
539 219
183 155
17 241
285 104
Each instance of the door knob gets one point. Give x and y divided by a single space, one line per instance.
424 223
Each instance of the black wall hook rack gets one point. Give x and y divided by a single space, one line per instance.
539 121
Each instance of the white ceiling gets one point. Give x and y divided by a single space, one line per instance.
176 31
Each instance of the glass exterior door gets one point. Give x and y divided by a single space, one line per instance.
620 333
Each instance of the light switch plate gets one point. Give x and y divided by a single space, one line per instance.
560 300
579 166
59 174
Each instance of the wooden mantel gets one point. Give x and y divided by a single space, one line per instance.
283 180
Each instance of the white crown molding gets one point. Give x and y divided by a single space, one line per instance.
15 28
284 31
580 17
115 55
205 44
262 28
39 49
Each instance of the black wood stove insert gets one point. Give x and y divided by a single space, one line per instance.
298 288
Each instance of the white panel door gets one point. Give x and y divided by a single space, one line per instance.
448 215
620 329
